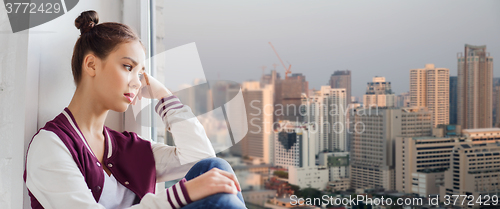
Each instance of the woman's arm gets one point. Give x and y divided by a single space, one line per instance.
53 177
192 143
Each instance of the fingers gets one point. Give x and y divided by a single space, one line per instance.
225 185
230 176
145 91
137 97
212 182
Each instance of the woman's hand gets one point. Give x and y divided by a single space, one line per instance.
212 182
157 89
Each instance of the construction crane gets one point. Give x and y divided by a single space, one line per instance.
287 70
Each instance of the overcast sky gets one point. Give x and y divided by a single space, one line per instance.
370 38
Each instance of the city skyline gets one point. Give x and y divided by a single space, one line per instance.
318 38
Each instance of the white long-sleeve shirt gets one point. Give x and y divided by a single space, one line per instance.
54 178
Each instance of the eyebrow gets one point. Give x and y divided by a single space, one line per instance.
134 62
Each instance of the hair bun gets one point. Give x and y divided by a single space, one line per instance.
86 21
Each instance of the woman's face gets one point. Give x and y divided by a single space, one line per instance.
118 79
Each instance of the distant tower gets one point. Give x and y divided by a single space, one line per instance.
453 99
475 88
257 144
372 157
294 145
429 87
327 109
341 79
379 93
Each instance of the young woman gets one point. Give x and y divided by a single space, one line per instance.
75 161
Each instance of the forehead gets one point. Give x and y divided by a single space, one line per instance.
132 50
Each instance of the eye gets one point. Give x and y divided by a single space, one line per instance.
140 75
128 67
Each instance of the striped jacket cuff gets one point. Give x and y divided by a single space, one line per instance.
166 104
177 195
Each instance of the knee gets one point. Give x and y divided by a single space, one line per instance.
224 200
215 162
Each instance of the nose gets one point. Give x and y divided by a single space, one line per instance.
135 82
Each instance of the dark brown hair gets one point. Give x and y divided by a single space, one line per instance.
99 39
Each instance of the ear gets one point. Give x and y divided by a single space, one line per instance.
90 64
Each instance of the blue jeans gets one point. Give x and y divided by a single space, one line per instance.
220 200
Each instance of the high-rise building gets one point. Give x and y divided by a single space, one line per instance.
294 145
453 99
379 93
429 87
287 94
257 144
327 109
474 171
475 77
341 79
290 97
496 99
294 149
372 146
421 167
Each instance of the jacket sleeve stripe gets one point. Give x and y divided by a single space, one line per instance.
164 101
166 104
177 199
171 198
168 199
182 199
184 192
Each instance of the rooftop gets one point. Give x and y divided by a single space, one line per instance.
479 130
435 138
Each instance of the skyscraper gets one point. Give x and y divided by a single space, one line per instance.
287 94
372 147
475 77
290 96
294 145
379 93
327 110
496 99
341 79
453 99
257 144
294 150
429 87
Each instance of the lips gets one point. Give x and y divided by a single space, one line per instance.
129 96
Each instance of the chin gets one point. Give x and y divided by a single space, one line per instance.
121 108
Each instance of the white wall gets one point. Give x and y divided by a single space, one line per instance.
314 177
36 84
13 80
